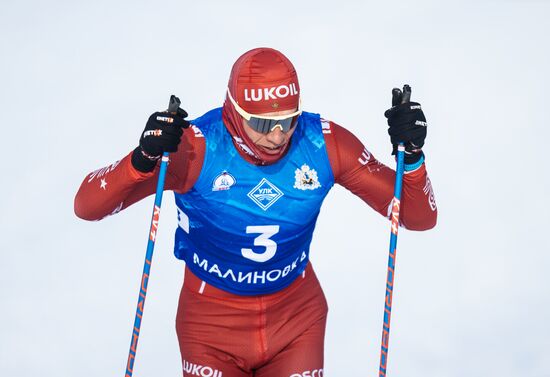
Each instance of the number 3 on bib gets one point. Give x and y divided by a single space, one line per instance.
263 239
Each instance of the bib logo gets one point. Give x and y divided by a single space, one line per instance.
191 369
266 94
224 181
306 178
265 194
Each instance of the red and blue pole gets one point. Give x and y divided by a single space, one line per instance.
397 98
391 261
173 107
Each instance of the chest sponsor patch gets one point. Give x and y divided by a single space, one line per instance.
265 194
306 178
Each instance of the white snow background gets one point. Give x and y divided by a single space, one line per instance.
78 80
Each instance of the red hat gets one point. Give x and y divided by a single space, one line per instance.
262 80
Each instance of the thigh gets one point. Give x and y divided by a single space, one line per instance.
206 346
303 357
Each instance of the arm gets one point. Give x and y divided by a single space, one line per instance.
356 169
113 188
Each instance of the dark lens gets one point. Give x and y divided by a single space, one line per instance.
286 123
261 125
266 125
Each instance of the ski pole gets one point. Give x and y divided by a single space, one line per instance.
172 108
397 98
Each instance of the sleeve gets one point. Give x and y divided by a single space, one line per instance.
356 169
113 188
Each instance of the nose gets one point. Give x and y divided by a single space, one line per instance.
277 136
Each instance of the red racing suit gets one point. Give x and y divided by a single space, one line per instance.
281 334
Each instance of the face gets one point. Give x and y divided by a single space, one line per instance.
273 142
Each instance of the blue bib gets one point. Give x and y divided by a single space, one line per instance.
246 228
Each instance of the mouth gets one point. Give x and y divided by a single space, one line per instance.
272 150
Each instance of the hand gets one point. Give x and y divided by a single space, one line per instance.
162 133
407 124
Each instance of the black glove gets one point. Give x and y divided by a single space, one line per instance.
407 124
162 133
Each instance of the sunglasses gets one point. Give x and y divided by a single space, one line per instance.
266 124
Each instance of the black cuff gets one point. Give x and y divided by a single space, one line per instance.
413 158
142 163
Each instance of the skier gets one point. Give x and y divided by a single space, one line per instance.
249 180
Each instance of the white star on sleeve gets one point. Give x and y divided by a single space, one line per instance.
103 184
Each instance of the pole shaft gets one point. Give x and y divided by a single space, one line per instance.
391 260
147 266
